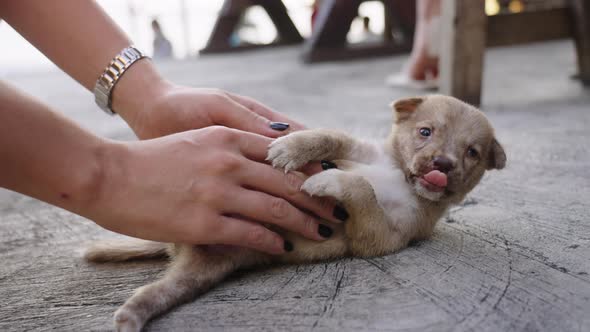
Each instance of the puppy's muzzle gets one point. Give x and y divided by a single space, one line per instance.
443 164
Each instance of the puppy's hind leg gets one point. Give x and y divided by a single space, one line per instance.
191 272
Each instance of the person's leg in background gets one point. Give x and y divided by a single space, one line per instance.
421 71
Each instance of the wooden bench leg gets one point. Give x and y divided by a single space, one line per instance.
581 19
328 40
462 52
286 29
229 18
332 24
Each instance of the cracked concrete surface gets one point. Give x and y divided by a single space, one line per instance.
515 256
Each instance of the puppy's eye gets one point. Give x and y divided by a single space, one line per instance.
472 153
425 132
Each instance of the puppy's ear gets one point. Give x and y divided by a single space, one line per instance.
497 158
404 108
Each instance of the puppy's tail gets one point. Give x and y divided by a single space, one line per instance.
125 250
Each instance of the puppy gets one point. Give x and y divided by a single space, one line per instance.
395 192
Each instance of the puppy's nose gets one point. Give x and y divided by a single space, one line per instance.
443 164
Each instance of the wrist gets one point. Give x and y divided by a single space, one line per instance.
135 91
90 183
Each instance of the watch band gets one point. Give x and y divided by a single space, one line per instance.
106 82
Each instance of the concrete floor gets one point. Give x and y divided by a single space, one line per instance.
514 257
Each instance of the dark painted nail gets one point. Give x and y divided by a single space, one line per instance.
327 165
288 246
324 231
280 126
340 213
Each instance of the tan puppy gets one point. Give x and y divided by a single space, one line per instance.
395 192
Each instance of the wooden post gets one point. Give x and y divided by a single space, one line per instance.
462 52
581 29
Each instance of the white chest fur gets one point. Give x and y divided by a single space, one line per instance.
393 193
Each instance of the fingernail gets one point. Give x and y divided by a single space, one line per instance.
288 246
340 213
327 165
280 126
324 231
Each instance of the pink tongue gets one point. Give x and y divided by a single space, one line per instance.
436 178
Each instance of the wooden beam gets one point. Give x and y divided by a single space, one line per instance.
461 59
531 26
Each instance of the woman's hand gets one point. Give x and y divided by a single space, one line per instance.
154 107
207 186
180 108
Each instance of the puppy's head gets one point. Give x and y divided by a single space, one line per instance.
444 146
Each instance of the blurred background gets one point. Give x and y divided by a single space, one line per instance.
187 25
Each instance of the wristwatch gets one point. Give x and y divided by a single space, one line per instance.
106 82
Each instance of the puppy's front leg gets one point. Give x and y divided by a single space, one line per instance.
368 230
297 149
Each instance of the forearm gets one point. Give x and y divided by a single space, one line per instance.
46 156
81 39
78 36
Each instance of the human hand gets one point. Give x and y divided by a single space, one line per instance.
207 186
180 108
154 107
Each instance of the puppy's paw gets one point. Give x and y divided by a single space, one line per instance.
288 152
127 321
326 183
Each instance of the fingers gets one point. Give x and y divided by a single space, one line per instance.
250 145
265 208
249 234
264 178
229 113
253 105
311 168
255 147
265 111
255 174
